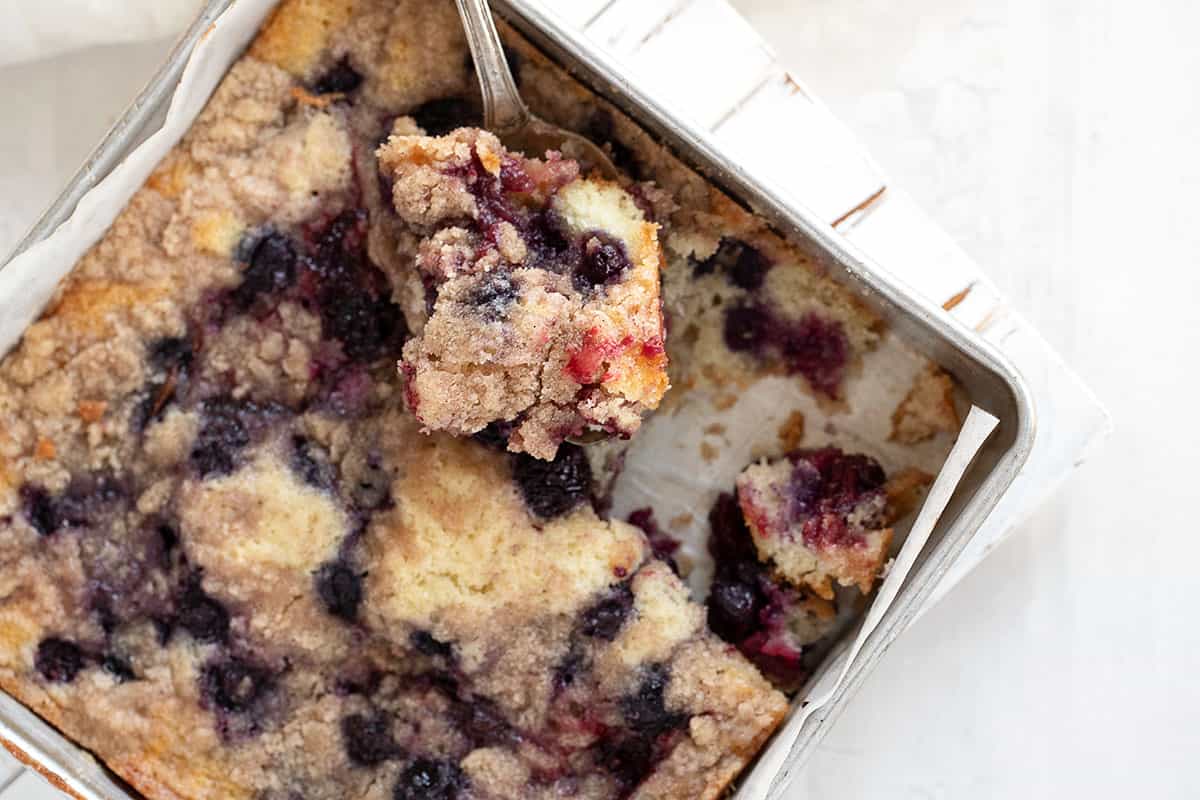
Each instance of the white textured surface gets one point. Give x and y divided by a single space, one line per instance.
1030 130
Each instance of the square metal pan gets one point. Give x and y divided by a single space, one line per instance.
987 378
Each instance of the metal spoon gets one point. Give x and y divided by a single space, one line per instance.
505 114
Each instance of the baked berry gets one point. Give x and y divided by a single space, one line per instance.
221 438
552 488
603 261
427 644
429 779
604 619
645 710
38 508
629 758
203 617
481 721
368 739
341 78
271 268
59 660
235 684
340 589
733 607
747 329
742 265
118 667
494 295
816 348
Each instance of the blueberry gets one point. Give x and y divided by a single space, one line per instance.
87 499
340 589
746 329
172 352
221 437
200 615
805 489
729 538
271 268
732 608
645 710
552 488
439 117
369 328
429 779
629 758
741 264
481 721
119 667
817 349
547 244
235 684
368 739
59 660
427 644
38 507
603 261
604 619
310 463
493 295
341 77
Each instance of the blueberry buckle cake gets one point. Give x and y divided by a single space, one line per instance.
544 291
243 556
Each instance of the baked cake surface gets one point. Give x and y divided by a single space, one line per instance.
546 314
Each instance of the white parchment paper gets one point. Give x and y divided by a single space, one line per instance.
682 459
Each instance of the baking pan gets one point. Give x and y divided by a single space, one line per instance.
986 377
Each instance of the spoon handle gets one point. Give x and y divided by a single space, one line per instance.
503 109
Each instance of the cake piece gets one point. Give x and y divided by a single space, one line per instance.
797 527
543 289
819 516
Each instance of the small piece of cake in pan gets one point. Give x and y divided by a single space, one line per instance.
542 289
798 526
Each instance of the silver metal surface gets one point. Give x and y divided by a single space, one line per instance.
987 378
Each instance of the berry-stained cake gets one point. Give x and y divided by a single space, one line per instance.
544 287
796 528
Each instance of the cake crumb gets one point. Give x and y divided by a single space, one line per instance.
708 452
927 409
92 410
45 450
715 429
904 491
791 432
680 521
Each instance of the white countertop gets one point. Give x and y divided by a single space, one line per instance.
1053 140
